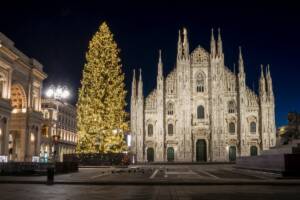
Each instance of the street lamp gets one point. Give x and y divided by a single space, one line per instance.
58 92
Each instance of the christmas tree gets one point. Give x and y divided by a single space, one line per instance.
101 102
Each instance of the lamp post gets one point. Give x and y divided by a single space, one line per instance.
58 93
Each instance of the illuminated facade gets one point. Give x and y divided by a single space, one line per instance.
59 119
21 81
202 111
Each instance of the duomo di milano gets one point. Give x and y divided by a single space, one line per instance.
202 111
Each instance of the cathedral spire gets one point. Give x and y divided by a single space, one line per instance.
212 44
133 88
186 51
262 83
220 45
269 82
241 61
234 68
159 65
140 86
179 46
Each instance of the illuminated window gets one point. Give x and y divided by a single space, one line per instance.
18 99
45 131
2 83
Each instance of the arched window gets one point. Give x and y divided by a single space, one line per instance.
253 127
231 107
18 97
150 130
200 112
231 127
2 83
170 129
170 108
45 131
200 83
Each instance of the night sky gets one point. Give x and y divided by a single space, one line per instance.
57 34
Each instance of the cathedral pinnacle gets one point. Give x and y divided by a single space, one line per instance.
269 83
140 86
220 45
159 56
262 83
185 44
160 65
179 46
212 44
140 77
262 72
241 61
133 87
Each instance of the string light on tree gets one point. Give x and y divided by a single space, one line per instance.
101 101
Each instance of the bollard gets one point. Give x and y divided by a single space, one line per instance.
50 175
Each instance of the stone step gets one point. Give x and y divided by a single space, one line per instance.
295 142
284 149
278 151
296 149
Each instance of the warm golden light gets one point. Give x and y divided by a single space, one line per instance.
32 137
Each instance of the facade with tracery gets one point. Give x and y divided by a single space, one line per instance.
201 111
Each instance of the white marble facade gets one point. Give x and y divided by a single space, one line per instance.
201 111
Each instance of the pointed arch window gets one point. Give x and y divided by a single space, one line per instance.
200 83
150 130
231 107
200 112
253 127
231 127
170 108
170 129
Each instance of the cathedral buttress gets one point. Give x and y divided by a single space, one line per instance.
160 124
140 121
133 112
241 103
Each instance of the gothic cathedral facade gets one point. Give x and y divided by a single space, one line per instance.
201 111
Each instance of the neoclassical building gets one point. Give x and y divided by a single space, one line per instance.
21 80
201 111
59 119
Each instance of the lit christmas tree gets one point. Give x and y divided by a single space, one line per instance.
101 102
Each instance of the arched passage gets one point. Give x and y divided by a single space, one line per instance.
201 151
150 154
253 151
232 153
170 154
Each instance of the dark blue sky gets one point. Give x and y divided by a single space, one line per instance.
57 34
